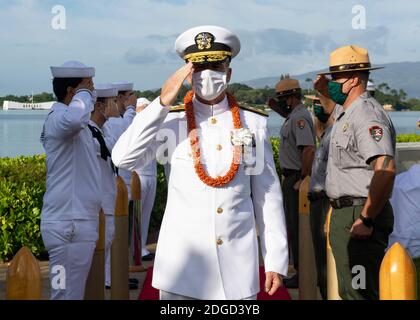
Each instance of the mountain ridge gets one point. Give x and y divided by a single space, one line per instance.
398 75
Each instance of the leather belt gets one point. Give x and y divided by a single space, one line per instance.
316 195
289 172
344 202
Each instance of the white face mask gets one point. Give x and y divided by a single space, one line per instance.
209 84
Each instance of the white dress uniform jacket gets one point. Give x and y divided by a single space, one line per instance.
109 193
207 246
114 128
108 185
73 189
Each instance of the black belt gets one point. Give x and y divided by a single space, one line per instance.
316 195
289 172
344 202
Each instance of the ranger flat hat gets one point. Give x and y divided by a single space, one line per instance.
123 85
207 44
349 59
73 69
287 87
106 90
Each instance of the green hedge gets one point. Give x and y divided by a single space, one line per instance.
408 138
22 186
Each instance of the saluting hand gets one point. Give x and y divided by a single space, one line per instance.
87 83
131 101
273 282
173 85
360 231
321 85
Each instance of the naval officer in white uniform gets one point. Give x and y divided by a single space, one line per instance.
207 247
72 200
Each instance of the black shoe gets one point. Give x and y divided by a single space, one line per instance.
148 257
133 280
133 286
108 287
292 283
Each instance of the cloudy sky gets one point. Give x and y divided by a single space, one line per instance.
134 39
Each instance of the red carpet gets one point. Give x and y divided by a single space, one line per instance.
150 293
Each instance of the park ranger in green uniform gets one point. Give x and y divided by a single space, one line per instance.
360 174
296 153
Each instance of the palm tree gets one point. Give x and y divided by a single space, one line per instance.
309 82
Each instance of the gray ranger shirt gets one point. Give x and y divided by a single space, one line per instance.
319 167
360 133
297 131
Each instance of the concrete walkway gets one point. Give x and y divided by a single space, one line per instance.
134 294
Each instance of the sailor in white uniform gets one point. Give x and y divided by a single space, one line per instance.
222 181
126 102
72 200
115 127
106 108
147 175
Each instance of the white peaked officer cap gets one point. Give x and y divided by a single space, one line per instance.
141 101
73 69
105 90
123 85
206 44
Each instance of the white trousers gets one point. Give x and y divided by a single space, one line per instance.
109 237
148 193
163 295
71 245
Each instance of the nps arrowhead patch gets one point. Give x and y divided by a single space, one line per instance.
376 133
301 124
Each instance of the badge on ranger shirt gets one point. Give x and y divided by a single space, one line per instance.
301 124
345 127
376 132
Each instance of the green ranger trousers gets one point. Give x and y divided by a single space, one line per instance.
318 217
291 211
358 261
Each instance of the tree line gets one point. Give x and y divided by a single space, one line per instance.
256 97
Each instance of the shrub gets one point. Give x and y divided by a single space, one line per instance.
22 186
408 138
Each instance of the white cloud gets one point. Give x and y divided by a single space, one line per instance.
133 39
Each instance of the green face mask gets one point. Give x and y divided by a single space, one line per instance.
335 90
320 113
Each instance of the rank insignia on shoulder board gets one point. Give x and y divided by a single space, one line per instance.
301 124
376 132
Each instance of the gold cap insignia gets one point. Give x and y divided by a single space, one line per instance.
204 40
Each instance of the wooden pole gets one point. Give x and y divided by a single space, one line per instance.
332 282
24 278
397 276
95 284
308 289
135 239
119 251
